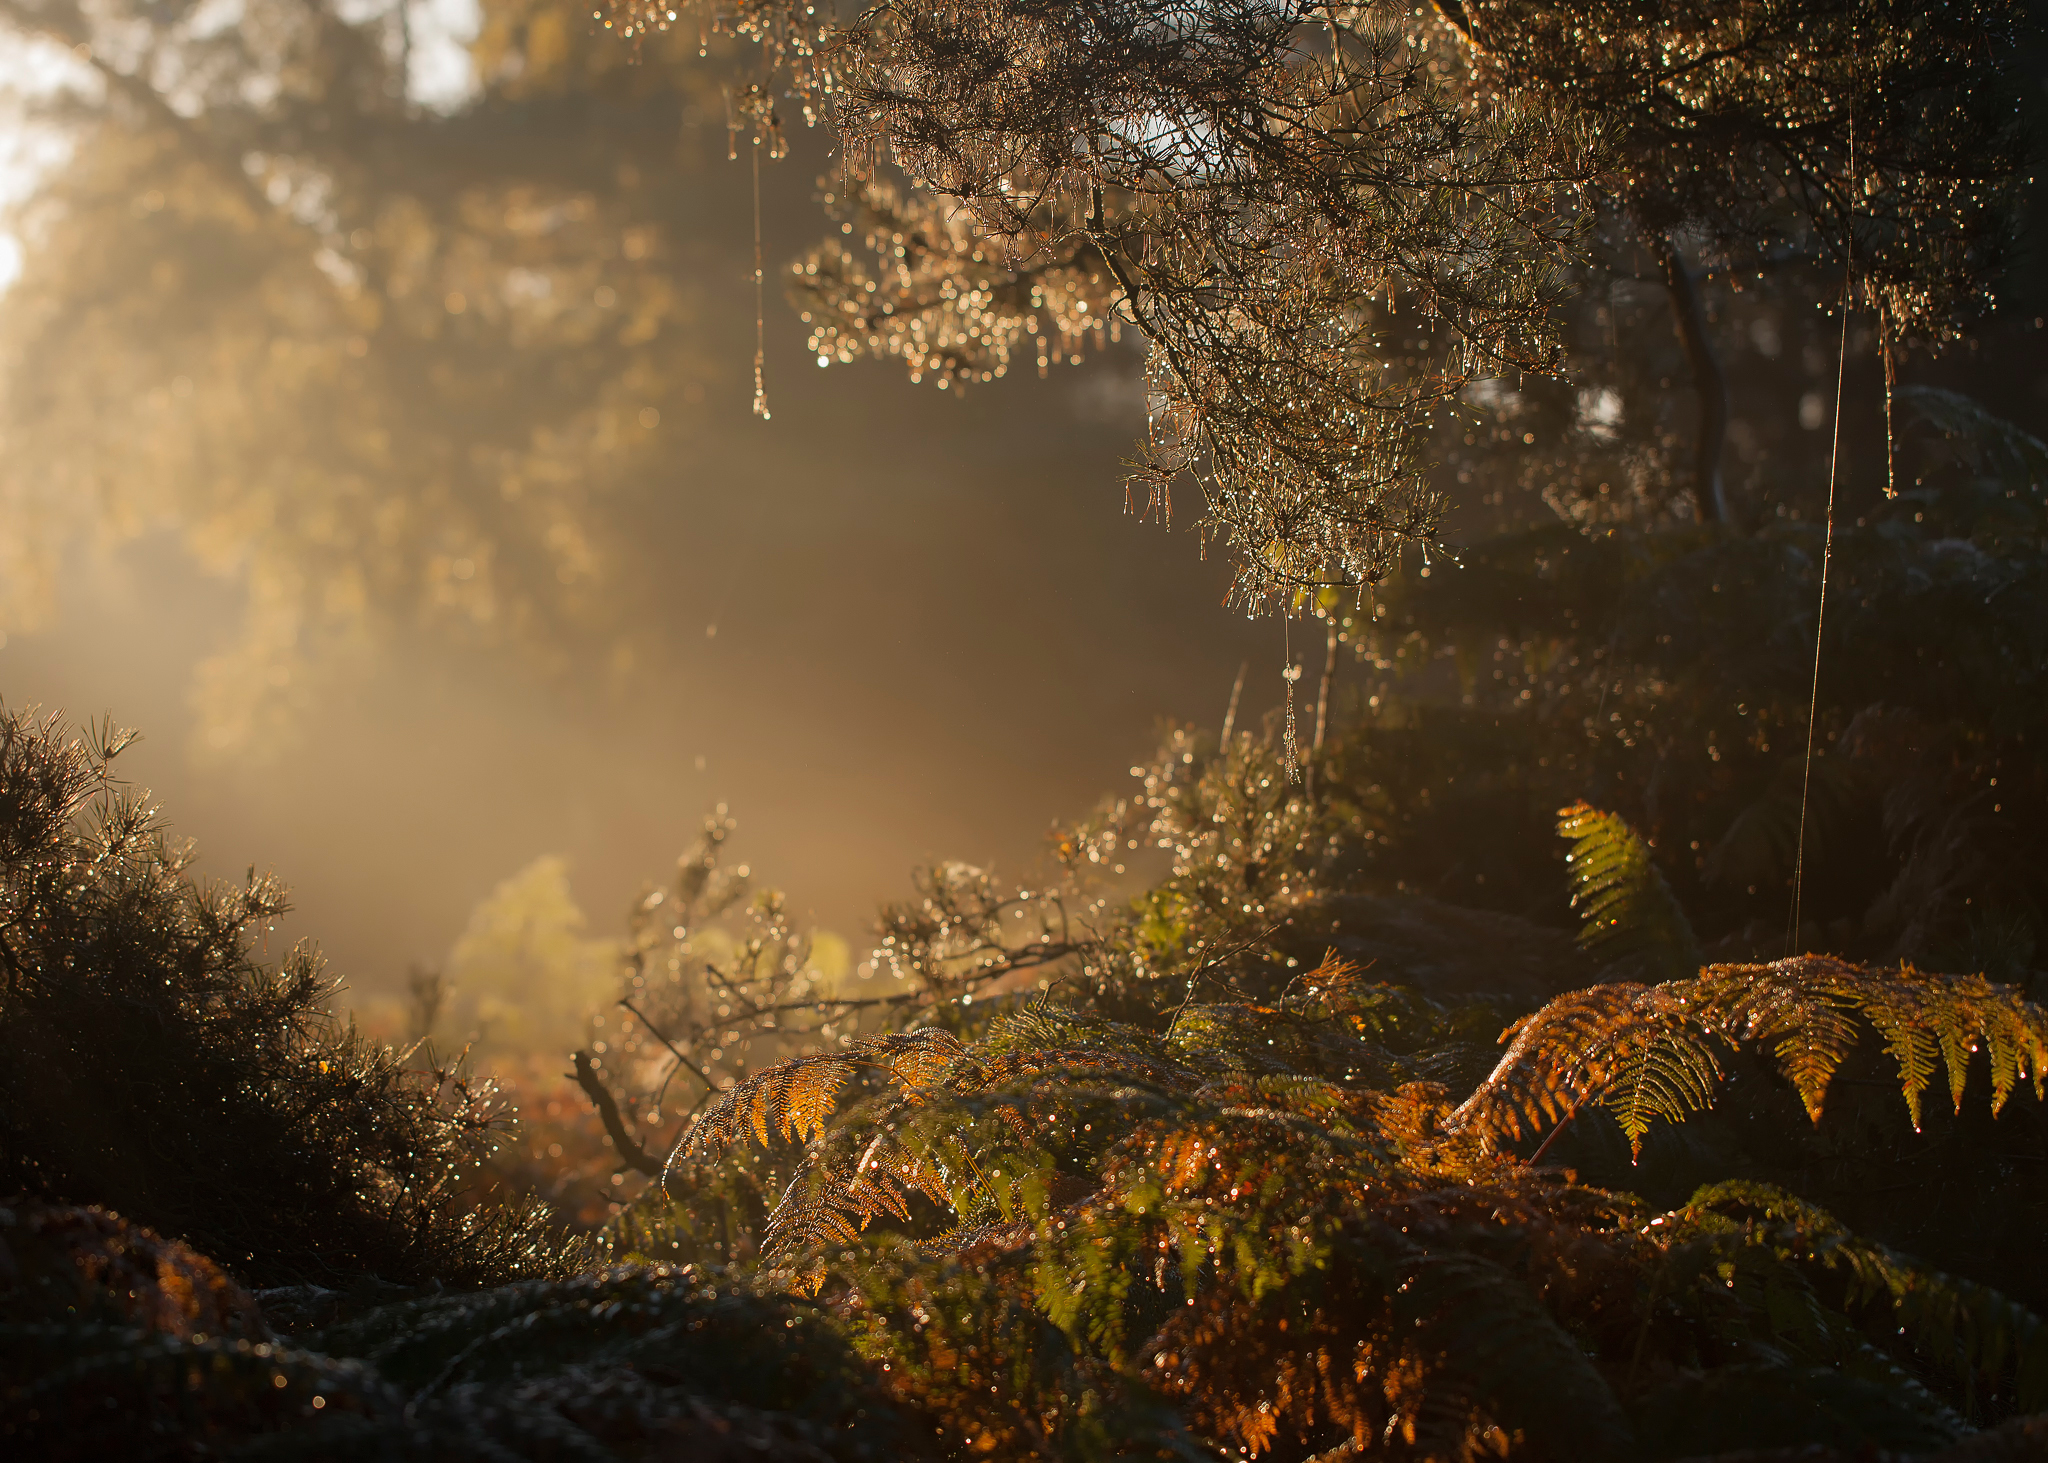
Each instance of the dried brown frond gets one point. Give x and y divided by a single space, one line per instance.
1334 976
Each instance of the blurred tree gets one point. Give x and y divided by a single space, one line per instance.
1761 140
524 977
376 364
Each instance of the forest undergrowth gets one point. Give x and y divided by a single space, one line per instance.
1452 1097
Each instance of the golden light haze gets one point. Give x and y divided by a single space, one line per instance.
388 465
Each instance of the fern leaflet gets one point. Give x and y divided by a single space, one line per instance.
1630 913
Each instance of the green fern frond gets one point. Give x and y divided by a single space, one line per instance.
1987 442
1668 1073
1631 916
1979 1336
1506 1351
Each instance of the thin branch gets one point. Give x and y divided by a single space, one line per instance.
600 1096
1211 963
1555 1133
695 1070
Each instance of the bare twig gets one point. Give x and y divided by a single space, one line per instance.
695 1070
629 1149
1555 1133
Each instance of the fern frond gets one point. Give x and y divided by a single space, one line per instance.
806 1225
1805 1008
870 1163
916 1059
1650 1052
1976 1334
1987 442
794 1097
1801 1012
1568 1054
1158 1069
1505 1350
1671 1072
1630 913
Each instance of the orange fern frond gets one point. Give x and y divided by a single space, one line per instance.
790 1097
1637 1048
796 1096
1804 1009
807 1224
1651 1052
915 1059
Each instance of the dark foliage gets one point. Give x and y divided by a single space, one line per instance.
1663 672
158 1067
65 1264
1736 123
621 1364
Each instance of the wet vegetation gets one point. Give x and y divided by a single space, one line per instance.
1598 1014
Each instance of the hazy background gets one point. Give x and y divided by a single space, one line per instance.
936 631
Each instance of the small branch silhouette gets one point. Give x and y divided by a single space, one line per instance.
630 1151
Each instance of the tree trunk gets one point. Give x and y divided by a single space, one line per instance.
1708 383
